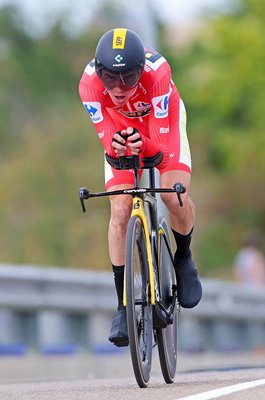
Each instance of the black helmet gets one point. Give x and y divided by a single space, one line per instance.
120 50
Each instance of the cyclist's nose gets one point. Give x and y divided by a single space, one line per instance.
118 84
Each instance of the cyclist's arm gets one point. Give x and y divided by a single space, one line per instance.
159 117
93 102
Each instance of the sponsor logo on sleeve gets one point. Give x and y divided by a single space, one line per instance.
94 110
164 130
160 105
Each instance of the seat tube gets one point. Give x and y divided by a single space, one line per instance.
152 179
136 178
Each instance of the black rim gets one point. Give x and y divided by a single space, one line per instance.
167 337
139 310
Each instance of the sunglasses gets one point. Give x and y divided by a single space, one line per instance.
126 80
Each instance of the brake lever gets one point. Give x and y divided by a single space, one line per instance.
83 195
180 189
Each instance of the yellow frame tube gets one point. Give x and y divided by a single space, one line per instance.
138 211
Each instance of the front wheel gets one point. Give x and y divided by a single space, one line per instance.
139 309
167 337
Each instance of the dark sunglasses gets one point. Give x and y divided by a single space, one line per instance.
126 80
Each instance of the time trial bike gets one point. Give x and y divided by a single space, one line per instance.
150 287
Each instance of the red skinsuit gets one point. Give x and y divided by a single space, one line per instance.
155 109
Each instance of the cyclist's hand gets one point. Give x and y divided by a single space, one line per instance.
134 141
119 143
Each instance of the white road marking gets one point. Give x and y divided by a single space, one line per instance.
213 394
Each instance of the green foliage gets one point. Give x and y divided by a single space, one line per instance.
222 79
48 150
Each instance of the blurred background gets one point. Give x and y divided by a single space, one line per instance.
49 148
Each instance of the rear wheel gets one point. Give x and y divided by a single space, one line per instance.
139 309
167 337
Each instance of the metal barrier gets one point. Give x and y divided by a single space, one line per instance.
53 310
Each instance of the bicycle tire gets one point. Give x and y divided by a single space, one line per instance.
167 338
138 307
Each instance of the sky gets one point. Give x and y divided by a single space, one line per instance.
42 13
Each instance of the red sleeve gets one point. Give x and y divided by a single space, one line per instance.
159 119
94 103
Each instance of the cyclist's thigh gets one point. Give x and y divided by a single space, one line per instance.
169 178
120 205
114 177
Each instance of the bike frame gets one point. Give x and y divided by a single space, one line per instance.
139 211
140 197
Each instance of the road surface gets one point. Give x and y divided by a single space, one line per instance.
199 377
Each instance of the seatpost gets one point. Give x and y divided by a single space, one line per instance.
136 178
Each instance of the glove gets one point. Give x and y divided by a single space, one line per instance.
134 141
117 146
119 138
126 142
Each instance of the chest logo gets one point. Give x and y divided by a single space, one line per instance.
141 110
160 104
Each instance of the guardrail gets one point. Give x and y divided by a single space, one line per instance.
55 310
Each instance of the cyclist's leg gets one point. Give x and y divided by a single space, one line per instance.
182 222
120 207
120 211
181 218
120 214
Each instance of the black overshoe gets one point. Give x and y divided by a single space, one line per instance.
119 332
189 287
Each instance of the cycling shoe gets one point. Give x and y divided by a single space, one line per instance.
119 333
189 287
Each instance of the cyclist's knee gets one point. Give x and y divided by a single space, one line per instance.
171 201
121 207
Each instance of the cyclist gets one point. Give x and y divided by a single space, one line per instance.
136 109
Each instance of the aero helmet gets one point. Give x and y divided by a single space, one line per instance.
120 52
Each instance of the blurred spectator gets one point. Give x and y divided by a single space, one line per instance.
250 262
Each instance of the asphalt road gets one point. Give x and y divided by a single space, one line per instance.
110 377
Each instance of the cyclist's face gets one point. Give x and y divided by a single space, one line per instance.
120 96
125 80
120 86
